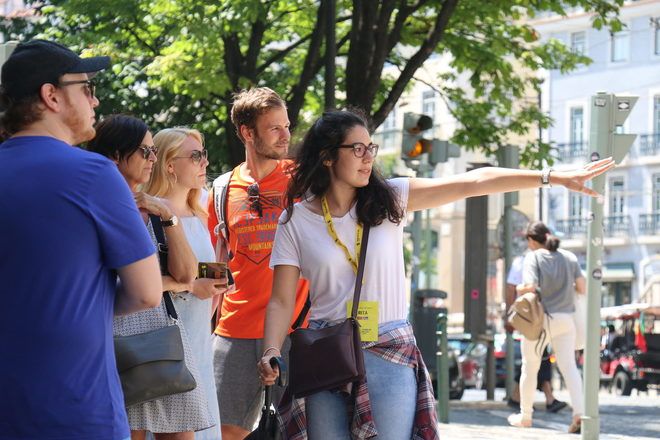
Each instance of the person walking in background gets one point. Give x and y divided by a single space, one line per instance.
128 142
340 192
544 378
243 215
557 276
179 176
69 230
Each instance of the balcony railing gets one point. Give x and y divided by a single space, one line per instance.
568 152
649 224
617 225
572 227
613 226
649 144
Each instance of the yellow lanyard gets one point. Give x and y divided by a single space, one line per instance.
338 242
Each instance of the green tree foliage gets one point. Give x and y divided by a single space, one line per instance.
178 62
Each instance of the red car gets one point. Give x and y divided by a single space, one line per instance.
630 352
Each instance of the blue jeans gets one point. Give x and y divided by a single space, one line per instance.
392 393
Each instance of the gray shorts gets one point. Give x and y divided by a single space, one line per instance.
240 393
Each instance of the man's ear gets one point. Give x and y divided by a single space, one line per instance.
246 132
50 97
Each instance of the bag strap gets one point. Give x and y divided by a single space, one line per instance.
162 251
360 271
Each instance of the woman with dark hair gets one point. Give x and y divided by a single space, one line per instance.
556 275
127 141
318 238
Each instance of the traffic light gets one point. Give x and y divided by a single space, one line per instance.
413 144
608 112
441 151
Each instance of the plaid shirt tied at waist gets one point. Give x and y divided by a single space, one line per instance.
398 346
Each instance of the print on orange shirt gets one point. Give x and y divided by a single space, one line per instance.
255 234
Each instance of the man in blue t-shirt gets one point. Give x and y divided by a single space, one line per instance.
68 227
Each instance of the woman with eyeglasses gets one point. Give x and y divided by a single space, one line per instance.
317 238
128 142
179 176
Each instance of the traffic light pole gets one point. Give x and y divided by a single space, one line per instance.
607 113
508 156
591 368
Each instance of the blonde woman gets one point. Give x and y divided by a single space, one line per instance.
179 176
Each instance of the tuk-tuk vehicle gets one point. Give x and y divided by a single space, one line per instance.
630 348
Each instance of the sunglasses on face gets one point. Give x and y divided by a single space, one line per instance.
147 150
196 156
90 86
253 198
360 149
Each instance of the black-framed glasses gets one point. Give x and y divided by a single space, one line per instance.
360 149
90 86
147 150
196 156
254 199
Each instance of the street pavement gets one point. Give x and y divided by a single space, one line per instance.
632 417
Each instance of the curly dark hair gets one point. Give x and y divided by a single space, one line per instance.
118 136
376 201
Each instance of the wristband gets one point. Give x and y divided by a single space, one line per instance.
271 348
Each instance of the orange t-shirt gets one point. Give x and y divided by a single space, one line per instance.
250 241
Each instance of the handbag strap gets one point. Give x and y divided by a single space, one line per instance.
162 251
360 271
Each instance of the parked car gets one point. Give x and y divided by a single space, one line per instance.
459 342
630 357
473 362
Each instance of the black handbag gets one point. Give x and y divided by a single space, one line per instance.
152 365
268 428
330 357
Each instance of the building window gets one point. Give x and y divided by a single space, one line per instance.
428 103
656 115
390 120
656 194
656 28
576 204
578 43
577 125
617 196
620 46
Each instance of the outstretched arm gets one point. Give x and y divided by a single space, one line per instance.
430 193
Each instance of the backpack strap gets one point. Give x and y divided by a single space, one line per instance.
220 202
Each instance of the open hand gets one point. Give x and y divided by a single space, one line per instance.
575 179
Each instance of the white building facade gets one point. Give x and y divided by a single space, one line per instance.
624 63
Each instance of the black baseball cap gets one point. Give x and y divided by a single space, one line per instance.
38 62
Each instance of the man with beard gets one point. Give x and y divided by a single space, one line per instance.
244 209
69 226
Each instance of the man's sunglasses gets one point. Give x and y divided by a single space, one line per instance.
90 86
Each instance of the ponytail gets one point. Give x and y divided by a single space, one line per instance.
540 233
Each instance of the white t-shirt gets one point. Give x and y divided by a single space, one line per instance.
304 242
